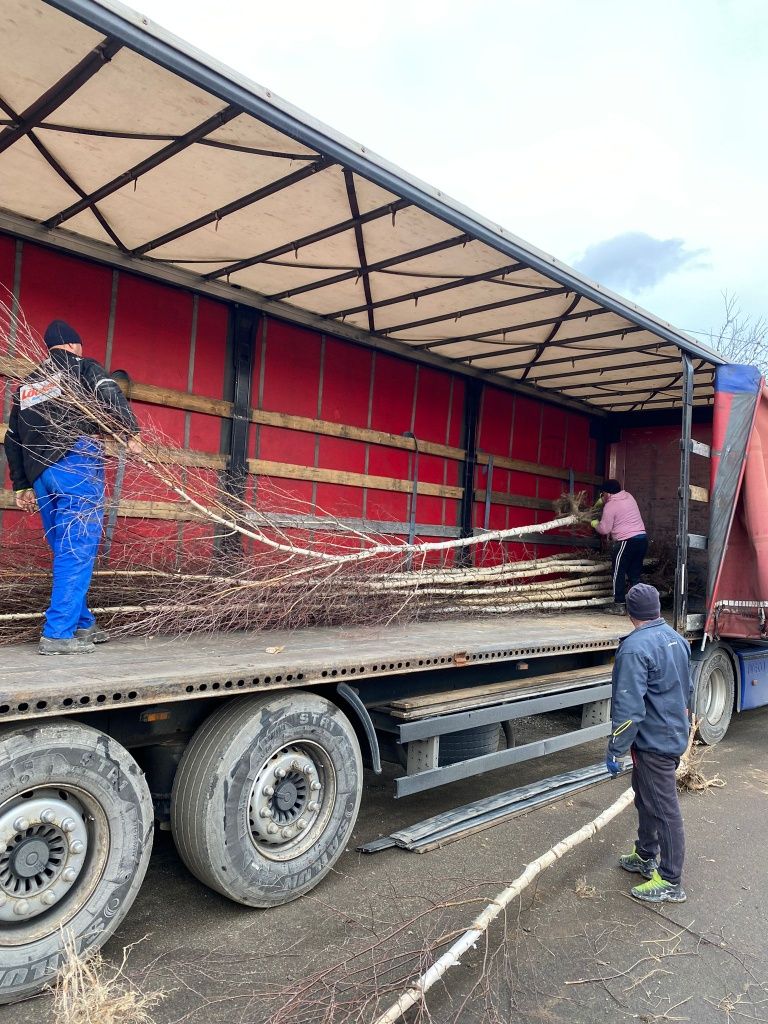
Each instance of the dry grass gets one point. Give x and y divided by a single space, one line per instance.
90 991
584 891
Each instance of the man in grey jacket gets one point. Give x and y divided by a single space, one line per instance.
650 718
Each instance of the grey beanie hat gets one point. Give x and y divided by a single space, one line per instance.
643 602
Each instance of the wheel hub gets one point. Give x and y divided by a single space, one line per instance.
43 846
287 797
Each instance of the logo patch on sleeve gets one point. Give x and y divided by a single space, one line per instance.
40 391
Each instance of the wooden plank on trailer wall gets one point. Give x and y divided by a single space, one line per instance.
286 471
515 500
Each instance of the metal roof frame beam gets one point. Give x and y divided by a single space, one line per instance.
390 261
511 350
135 172
625 380
569 308
354 209
486 275
649 363
545 293
315 236
61 91
237 204
52 162
521 327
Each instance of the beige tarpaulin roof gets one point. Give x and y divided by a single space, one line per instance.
121 141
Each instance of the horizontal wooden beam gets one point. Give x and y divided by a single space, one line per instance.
286 471
536 469
518 500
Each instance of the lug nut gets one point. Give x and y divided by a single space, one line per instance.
3 900
286 833
67 825
76 847
47 817
301 824
21 908
295 766
69 874
264 813
314 786
307 769
279 773
269 791
48 898
21 824
313 805
272 828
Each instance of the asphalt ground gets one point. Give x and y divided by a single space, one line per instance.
575 947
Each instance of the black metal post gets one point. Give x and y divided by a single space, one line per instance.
243 325
472 398
681 573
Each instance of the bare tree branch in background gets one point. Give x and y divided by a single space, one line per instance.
741 338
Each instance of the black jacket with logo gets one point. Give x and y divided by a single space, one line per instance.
44 426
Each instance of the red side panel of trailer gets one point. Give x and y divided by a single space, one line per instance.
174 346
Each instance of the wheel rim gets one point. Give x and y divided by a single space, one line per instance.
53 847
291 800
716 696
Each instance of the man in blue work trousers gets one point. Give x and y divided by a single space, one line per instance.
57 466
649 716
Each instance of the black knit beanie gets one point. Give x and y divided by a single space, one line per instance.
59 332
643 602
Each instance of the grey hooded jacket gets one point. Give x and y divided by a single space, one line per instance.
651 691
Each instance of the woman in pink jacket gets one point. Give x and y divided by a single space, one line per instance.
622 523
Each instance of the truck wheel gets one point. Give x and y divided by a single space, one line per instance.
75 837
266 796
714 689
468 743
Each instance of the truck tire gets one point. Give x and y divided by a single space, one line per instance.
76 830
714 688
467 743
266 796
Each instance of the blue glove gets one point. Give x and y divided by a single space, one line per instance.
613 766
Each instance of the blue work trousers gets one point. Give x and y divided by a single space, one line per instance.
70 496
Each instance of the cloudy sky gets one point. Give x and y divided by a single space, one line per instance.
628 139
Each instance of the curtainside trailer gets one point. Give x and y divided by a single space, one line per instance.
289 310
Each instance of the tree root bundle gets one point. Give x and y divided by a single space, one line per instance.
689 775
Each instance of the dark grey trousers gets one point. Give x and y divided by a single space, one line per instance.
660 828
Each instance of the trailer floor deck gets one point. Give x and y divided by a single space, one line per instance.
158 669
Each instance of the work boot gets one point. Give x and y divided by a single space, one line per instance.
634 862
71 645
658 890
616 608
93 634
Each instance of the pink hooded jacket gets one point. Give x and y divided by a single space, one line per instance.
621 517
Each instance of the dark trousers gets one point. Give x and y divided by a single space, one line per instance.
660 828
627 560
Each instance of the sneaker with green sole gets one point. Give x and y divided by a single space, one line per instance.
634 862
657 890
